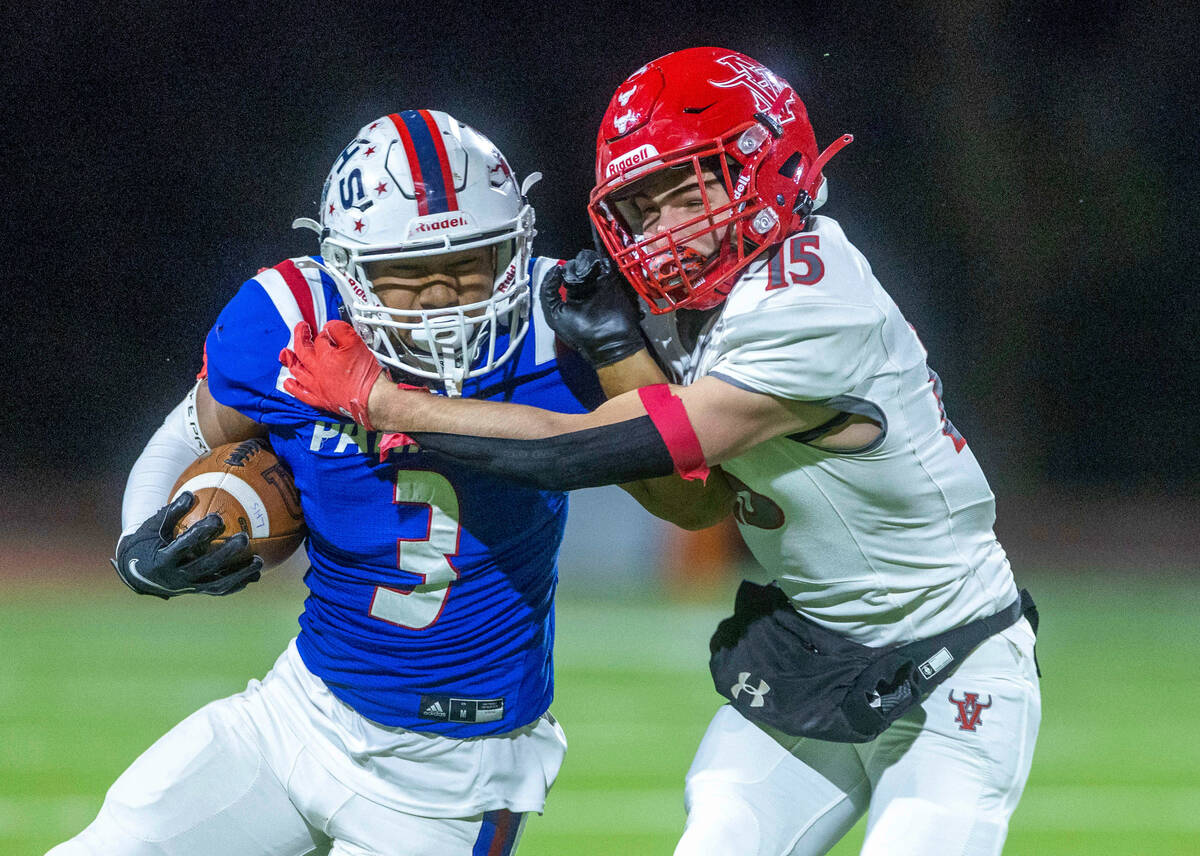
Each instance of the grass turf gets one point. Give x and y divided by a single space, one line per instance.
89 679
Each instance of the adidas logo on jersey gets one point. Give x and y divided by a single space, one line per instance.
433 710
468 710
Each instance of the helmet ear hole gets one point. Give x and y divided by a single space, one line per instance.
804 204
339 257
791 166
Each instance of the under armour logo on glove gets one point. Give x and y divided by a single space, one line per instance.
758 693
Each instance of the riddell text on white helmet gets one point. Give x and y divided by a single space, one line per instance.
449 222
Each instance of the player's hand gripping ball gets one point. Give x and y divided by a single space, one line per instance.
231 512
252 492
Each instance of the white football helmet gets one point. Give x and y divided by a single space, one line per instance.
420 183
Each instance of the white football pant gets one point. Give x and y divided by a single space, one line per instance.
943 779
252 775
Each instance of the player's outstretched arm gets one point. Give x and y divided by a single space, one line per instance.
647 433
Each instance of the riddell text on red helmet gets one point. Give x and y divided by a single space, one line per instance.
631 159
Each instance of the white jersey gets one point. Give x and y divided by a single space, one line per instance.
884 544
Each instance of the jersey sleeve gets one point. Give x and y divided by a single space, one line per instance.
802 351
242 351
577 374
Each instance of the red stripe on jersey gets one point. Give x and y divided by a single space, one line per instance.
414 166
500 839
443 159
670 417
298 285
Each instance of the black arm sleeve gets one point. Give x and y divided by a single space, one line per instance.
611 454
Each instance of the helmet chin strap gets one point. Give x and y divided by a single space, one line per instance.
453 384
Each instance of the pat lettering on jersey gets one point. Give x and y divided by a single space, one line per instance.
346 438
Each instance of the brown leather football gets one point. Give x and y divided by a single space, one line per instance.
252 491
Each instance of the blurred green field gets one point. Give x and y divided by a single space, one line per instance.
89 678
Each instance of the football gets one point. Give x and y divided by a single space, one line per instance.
252 491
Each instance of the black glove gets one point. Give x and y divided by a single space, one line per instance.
591 309
149 563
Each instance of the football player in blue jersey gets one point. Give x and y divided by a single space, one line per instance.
410 714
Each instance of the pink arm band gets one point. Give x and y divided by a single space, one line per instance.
667 413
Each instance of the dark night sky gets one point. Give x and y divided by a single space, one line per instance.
1023 182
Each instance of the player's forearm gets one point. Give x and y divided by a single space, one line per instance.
173 446
411 411
634 371
690 504
616 443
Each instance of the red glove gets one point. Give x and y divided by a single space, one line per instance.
334 372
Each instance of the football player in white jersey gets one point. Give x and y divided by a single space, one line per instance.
889 671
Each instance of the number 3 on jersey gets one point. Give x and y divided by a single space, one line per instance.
427 556
796 263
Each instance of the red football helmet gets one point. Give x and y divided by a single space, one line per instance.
704 109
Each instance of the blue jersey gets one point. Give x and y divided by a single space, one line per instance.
431 586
